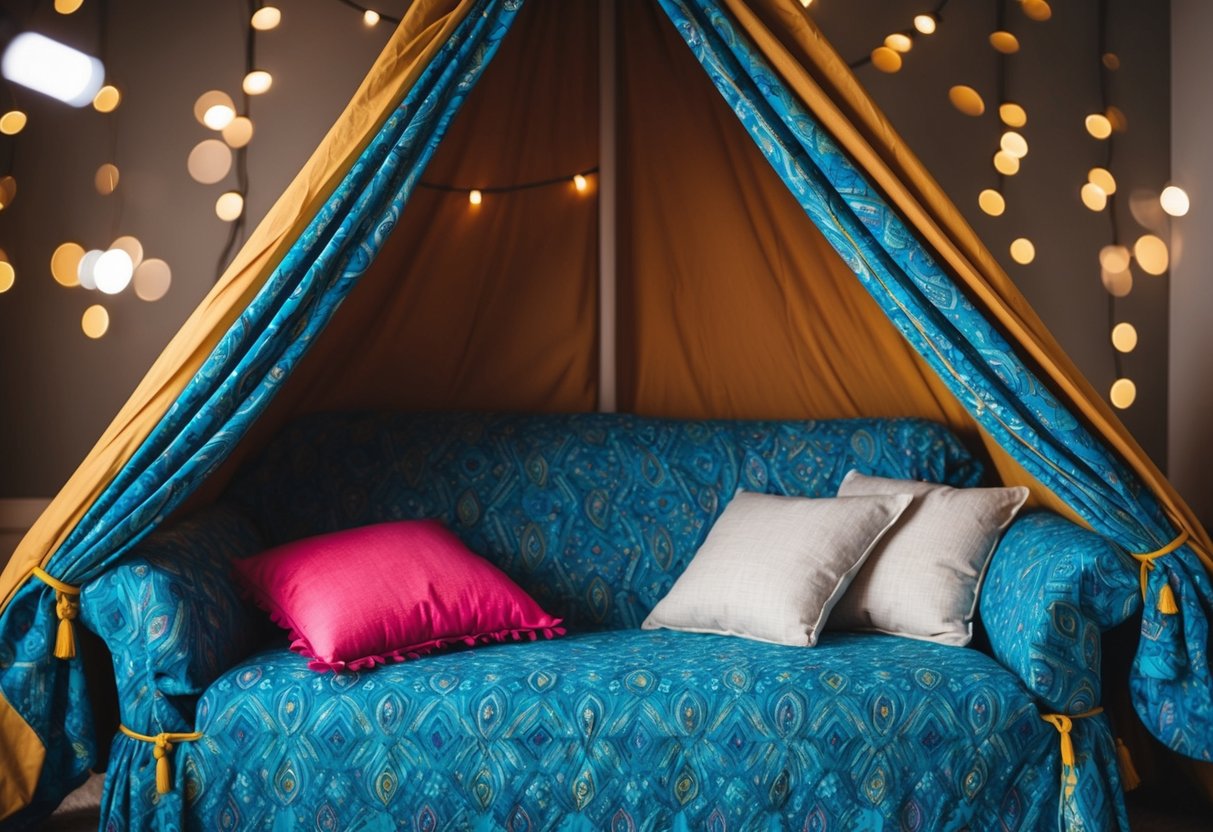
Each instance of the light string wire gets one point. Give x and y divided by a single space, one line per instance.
1105 82
236 229
504 189
910 32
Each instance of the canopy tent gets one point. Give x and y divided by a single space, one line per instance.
780 253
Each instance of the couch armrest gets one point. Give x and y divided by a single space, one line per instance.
1051 589
172 618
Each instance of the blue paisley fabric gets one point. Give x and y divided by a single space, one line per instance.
595 515
1171 682
628 730
1051 589
230 391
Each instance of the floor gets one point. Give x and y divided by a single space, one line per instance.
1147 813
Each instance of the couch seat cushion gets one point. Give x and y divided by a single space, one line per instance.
630 729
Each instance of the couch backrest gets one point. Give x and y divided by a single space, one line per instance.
595 515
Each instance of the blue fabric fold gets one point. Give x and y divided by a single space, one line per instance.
232 388
978 365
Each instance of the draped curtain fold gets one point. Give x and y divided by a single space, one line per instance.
1171 675
223 398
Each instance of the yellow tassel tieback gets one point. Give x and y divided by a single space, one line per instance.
67 607
1166 596
163 746
1063 723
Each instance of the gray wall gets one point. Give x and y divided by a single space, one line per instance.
1191 379
60 389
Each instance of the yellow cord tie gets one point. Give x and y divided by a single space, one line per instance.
1063 723
163 747
67 607
1166 596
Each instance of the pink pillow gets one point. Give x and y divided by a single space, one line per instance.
358 597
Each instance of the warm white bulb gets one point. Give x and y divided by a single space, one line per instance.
370 17
53 69
475 197
266 18
1174 200
925 23
113 271
218 117
579 182
229 206
86 272
95 321
257 82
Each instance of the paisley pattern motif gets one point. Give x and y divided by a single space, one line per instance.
594 515
630 730
1171 682
1051 589
231 389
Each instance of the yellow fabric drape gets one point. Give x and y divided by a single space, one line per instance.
426 27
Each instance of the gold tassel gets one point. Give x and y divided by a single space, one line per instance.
164 774
1166 600
67 608
1067 749
1129 778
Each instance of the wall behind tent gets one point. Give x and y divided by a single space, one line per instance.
60 389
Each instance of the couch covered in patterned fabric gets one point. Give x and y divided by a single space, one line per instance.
610 727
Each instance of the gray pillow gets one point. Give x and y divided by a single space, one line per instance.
923 579
772 567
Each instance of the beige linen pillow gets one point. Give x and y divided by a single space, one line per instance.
923 579
772 567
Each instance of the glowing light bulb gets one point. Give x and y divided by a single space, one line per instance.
1103 178
210 100
1005 163
886 59
68 6
65 264
1123 393
1124 337
113 271
579 182
152 279
266 18
95 321
1117 284
1004 42
1013 144
239 132
49 67
1038 10
1012 114
925 23
86 272
105 180
8 276
992 202
1114 258
229 206
370 17
1174 200
967 100
209 161
257 82
1022 251
1093 197
107 99
12 122
218 116
131 246
1098 126
1151 254
475 197
899 42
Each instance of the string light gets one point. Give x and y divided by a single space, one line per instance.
886 59
1005 163
1117 284
925 24
65 263
266 18
1174 200
229 206
152 279
967 100
992 202
1013 144
239 132
1012 115
8 276
209 161
132 247
370 17
12 122
1093 197
113 271
1103 178
475 197
257 82
86 274
1022 251
580 183
211 102
1114 258
899 42
1150 252
218 116
68 6
1123 393
1098 126
1004 42
1038 10
1124 337
95 321
107 99
106 179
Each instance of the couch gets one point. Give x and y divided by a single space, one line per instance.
611 726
